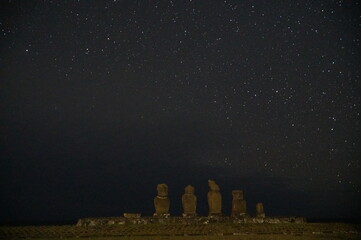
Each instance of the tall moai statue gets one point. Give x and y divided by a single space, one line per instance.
239 205
189 202
214 199
161 202
260 210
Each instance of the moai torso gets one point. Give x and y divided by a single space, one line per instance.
214 199
260 211
161 202
239 206
189 202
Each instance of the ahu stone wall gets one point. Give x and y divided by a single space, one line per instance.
90 222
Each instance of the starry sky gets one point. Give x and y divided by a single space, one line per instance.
102 100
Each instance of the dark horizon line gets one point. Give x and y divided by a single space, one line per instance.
73 222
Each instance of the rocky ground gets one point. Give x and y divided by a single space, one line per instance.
247 231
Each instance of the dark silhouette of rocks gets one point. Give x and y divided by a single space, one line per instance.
239 205
214 199
260 211
161 201
132 215
189 202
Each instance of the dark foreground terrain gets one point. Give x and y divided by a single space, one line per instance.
247 231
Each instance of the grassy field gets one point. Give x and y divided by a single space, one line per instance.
250 237
194 232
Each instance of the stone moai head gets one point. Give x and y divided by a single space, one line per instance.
259 208
237 194
189 189
162 190
213 185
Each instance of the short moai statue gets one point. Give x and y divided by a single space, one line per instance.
260 211
214 199
189 202
239 205
161 201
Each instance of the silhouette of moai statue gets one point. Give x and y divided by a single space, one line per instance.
161 202
260 211
189 202
214 199
239 205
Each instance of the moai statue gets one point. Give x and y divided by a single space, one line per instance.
214 199
239 205
260 211
161 202
189 202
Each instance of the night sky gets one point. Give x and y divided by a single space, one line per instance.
102 100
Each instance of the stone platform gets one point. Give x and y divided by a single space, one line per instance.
84 222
